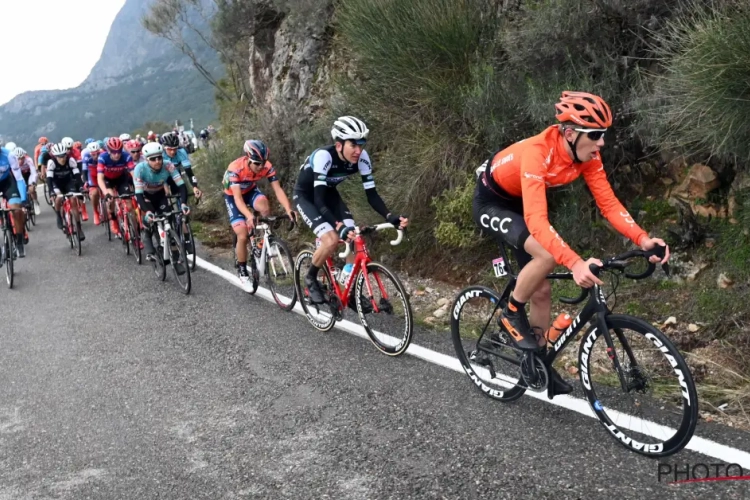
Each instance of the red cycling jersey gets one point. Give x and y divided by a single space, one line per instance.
240 174
527 168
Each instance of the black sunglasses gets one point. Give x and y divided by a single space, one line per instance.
594 135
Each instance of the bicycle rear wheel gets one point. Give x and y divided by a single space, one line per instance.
134 237
183 279
319 315
482 347
657 414
8 250
280 274
384 309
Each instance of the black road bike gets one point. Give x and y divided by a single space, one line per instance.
634 378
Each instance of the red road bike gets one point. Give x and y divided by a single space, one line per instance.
381 301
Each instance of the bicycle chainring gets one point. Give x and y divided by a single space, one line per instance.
533 372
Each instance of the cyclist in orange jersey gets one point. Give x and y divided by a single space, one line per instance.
510 203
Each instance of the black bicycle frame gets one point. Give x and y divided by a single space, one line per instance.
596 307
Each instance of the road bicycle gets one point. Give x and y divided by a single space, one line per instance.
269 256
634 378
8 250
128 217
381 300
170 248
72 229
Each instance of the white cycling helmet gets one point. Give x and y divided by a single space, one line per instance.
67 142
93 147
10 146
124 137
152 149
19 152
59 149
349 128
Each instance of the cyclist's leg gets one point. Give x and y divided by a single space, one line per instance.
342 213
323 230
155 204
237 221
259 202
505 223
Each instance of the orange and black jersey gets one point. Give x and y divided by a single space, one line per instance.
527 168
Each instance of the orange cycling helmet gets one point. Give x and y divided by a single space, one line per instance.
43 140
584 109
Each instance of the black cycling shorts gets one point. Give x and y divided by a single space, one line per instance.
10 191
502 218
64 184
305 205
122 185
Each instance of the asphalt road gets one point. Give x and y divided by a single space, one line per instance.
115 385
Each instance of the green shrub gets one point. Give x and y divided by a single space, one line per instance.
700 97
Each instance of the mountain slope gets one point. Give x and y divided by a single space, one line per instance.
138 78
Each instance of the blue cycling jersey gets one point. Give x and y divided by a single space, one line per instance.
149 181
180 158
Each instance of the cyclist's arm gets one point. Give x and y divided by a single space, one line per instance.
32 171
100 176
139 184
51 176
321 162
185 160
16 169
278 191
77 179
368 182
177 179
534 193
608 203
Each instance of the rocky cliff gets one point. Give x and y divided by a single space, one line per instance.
139 77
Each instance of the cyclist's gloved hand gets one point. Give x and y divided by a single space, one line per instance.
398 221
185 209
651 243
582 274
107 197
250 224
148 217
346 233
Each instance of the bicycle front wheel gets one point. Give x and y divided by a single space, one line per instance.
384 309
280 274
657 411
134 238
8 250
482 348
180 269
75 237
160 269
46 195
124 231
192 253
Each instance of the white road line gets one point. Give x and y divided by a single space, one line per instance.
698 444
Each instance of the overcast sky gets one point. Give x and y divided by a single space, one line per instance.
72 31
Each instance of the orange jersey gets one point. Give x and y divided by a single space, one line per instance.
240 174
527 168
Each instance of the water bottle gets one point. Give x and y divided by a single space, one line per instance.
561 323
345 272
